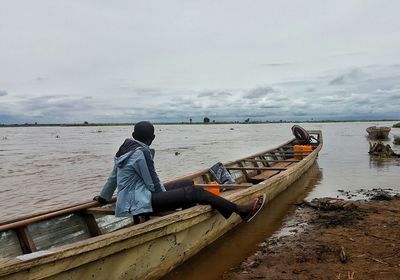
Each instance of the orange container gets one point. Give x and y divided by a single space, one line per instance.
301 151
215 191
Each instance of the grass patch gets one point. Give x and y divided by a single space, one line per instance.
397 125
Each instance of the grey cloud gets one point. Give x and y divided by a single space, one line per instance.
214 94
367 97
3 93
42 79
280 98
331 99
389 93
55 108
147 91
266 106
53 102
301 114
351 76
180 102
259 92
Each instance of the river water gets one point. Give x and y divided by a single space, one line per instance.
43 168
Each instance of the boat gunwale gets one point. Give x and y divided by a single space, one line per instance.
18 222
13 265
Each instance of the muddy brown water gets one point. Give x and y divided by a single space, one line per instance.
44 168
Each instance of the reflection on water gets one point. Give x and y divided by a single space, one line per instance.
382 163
230 249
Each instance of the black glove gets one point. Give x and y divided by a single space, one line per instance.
101 200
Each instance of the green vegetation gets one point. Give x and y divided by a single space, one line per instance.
397 125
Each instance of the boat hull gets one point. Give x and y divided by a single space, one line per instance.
378 132
152 249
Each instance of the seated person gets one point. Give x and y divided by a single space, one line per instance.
139 190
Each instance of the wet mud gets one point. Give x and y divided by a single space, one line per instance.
331 238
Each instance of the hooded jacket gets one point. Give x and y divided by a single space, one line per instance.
135 179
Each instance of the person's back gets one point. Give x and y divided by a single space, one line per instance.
133 174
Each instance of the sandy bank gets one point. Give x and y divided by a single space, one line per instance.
331 239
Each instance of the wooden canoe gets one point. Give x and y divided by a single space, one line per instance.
86 242
378 132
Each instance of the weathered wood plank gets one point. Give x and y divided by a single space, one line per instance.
25 239
226 186
268 174
271 160
100 211
110 223
9 244
255 168
59 231
91 223
38 218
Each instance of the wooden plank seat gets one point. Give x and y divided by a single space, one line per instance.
226 186
275 167
280 166
100 211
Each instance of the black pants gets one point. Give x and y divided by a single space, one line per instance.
182 194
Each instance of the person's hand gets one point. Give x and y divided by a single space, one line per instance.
100 200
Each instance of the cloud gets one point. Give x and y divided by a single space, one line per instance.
259 92
3 93
389 93
351 76
331 99
214 94
356 98
266 106
42 79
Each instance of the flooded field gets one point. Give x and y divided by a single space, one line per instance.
43 168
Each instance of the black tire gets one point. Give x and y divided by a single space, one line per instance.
301 135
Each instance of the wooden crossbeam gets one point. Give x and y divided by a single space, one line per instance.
270 160
256 168
225 186
25 240
91 223
100 211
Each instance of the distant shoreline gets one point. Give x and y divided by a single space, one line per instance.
189 123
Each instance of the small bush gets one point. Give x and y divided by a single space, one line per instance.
397 125
396 140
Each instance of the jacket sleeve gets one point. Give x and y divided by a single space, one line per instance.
144 166
110 186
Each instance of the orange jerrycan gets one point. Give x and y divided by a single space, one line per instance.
215 191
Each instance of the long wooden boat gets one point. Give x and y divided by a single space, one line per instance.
87 242
378 132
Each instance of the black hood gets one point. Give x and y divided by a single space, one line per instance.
127 146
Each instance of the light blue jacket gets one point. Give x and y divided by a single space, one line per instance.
135 179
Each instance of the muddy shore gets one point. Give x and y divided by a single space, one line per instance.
331 238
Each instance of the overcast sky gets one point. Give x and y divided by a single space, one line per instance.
123 61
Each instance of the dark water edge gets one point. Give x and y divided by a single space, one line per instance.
229 250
